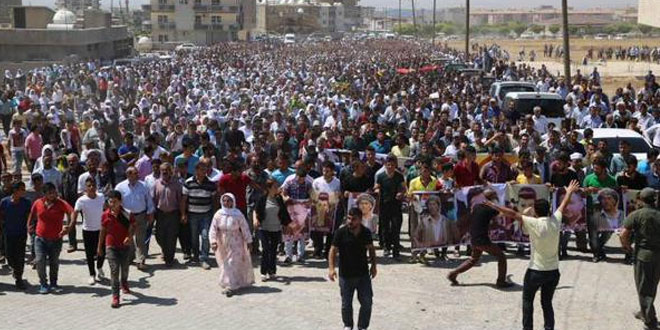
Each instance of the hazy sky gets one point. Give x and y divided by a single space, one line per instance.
423 3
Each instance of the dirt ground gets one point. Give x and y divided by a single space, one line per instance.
614 73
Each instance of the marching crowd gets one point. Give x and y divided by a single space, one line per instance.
206 149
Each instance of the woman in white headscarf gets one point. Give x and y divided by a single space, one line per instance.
231 241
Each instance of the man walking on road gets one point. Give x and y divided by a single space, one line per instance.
543 271
352 241
644 225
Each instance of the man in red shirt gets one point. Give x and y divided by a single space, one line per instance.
466 170
117 229
49 211
236 183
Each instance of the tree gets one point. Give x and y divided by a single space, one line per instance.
536 28
644 28
554 28
518 28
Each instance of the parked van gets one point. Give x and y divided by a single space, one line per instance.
499 89
523 103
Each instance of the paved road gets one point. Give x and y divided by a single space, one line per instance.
590 296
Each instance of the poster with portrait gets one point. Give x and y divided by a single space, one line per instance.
519 197
324 210
574 218
467 198
300 211
607 210
367 203
435 225
630 201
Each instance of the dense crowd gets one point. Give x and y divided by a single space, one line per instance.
207 148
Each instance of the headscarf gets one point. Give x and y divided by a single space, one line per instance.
233 211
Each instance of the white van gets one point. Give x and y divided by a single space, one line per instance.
523 103
289 38
499 89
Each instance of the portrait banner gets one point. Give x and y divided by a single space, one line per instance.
300 211
324 210
607 210
368 204
433 226
519 197
630 201
574 218
466 198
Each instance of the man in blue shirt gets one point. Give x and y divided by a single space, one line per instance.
128 152
283 171
14 212
381 145
187 157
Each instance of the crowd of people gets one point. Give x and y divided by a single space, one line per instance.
206 149
642 53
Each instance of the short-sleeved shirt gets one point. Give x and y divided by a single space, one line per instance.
352 249
92 210
645 223
116 231
15 216
237 186
544 235
417 185
199 194
389 186
592 180
50 219
480 222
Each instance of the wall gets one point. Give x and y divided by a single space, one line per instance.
649 11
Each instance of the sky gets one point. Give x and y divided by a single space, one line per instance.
421 3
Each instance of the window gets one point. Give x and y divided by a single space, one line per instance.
162 38
215 20
198 19
183 2
162 2
162 19
198 2
215 2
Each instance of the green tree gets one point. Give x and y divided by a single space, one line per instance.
554 28
536 28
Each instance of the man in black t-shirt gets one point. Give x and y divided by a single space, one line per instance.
352 241
481 217
390 187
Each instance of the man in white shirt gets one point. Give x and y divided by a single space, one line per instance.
543 270
90 205
540 121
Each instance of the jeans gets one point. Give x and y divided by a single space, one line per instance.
546 281
348 286
288 248
47 249
17 158
15 251
91 242
270 240
119 260
477 251
199 226
167 229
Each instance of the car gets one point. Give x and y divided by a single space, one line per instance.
289 38
523 103
185 47
601 36
639 145
499 89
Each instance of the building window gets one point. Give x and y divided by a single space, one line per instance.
162 19
162 2
198 2
233 8
162 38
183 2
198 19
216 20
215 2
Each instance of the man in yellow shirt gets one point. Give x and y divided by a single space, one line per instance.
543 270
527 176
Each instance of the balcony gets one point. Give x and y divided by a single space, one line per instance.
199 26
216 26
167 25
201 7
162 7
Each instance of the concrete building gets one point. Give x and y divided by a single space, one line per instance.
202 22
536 15
78 6
39 34
303 17
5 11
649 11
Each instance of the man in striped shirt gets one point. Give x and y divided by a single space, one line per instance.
199 200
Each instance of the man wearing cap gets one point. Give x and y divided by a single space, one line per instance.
644 225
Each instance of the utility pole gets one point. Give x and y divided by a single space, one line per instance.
399 16
467 29
433 38
414 19
567 52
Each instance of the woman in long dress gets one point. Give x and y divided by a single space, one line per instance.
231 241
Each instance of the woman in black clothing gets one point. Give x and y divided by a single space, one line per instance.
269 217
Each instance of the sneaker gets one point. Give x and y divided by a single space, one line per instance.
100 274
264 278
504 284
20 284
229 293
43 289
115 302
92 280
124 288
71 249
55 288
206 266
142 266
